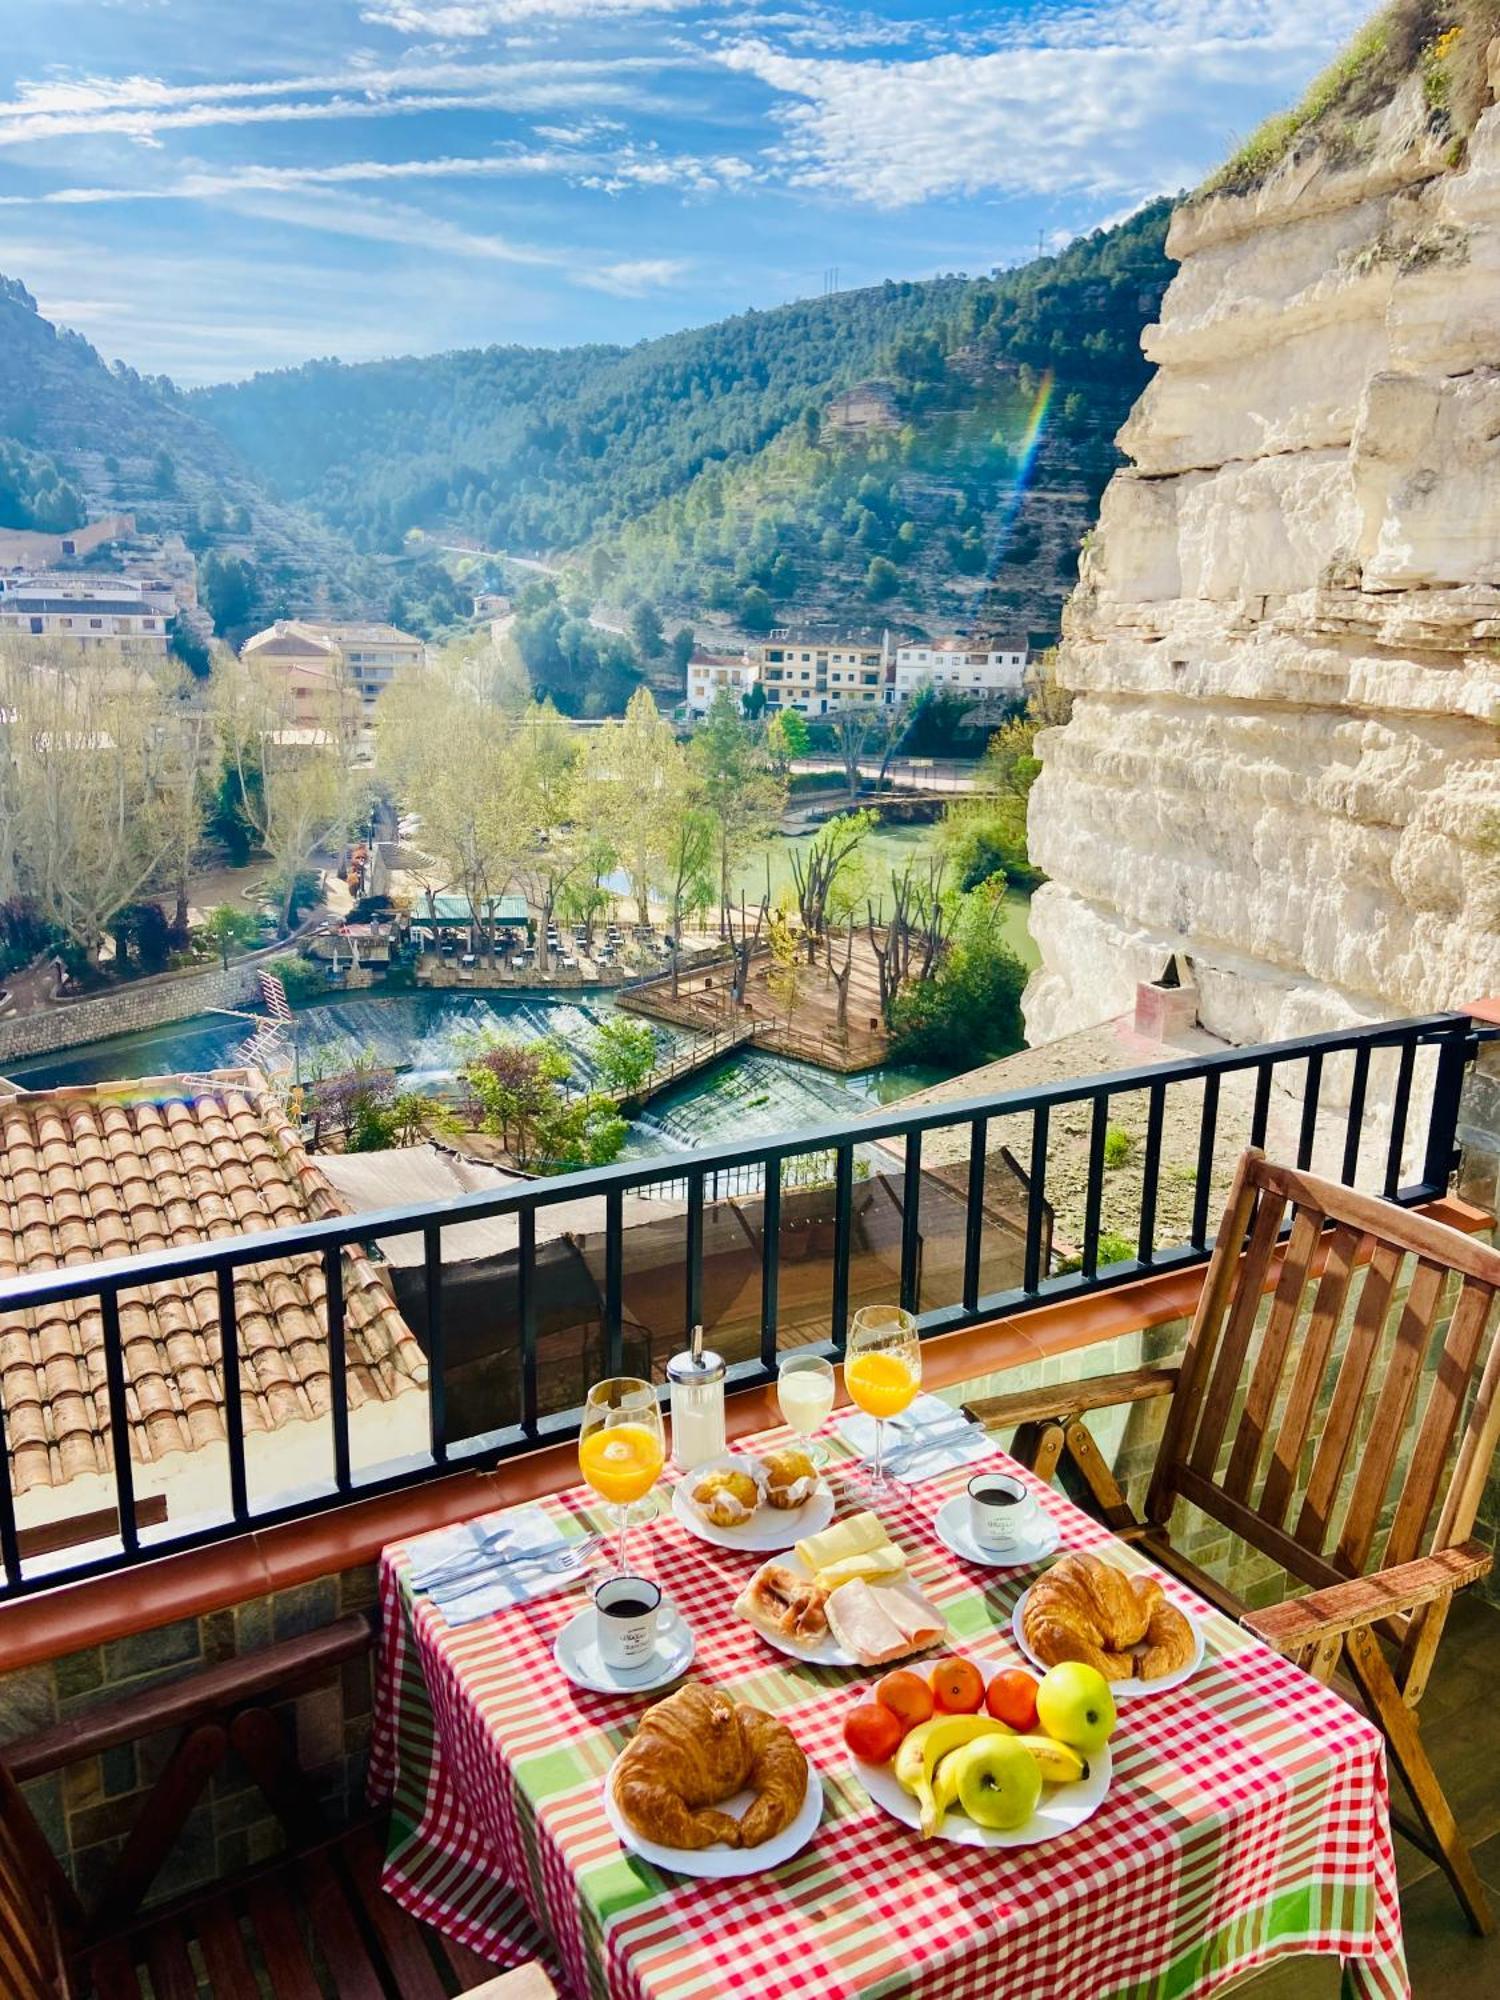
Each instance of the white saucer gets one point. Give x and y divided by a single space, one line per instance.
769 1529
953 1531
576 1651
1121 1690
720 1862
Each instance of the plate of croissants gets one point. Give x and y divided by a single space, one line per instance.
740 1502
1124 1626
710 1786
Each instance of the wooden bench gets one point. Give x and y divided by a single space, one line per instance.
314 1925
1389 1478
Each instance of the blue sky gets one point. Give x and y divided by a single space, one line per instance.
208 187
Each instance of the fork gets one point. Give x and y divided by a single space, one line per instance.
550 1562
937 1437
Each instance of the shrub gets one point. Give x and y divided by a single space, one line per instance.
301 978
1118 1146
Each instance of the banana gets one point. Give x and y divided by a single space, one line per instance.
908 1767
945 1782
949 1732
1058 1763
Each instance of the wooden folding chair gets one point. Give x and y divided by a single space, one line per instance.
1349 1439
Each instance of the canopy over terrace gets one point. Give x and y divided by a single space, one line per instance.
439 913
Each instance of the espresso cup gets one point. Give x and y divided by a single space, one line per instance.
1002 1510
628 1616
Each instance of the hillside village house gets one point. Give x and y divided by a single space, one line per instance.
996 667
318 657
709 672
799 670
30 549
92 611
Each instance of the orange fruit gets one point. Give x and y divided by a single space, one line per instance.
907 1696
873 1732
1011 1699
957 1686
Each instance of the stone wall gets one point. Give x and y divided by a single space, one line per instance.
1285 642
144 1003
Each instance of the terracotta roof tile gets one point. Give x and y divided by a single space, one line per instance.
110 1171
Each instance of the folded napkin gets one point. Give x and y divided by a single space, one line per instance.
459 1570
909 1452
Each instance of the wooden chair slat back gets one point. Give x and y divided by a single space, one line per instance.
29 1968
1400 1311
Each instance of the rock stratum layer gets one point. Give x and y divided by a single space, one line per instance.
1285 642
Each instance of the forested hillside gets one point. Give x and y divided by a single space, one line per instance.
79 438
899 452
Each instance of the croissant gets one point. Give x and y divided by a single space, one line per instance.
1085 1609
696 1749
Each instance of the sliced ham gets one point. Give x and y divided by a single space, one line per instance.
863 1627
922 1623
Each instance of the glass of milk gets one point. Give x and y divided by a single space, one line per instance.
804 1389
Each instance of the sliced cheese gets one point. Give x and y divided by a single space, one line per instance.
875 1566
855 1537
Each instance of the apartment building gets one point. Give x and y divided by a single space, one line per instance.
707 673
815 674
95 611
318 658
993 667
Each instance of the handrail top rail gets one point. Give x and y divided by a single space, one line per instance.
332 1233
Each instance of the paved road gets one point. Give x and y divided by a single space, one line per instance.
913 774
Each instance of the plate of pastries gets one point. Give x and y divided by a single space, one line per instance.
1124 1626
712 1786
842 1598
764 1503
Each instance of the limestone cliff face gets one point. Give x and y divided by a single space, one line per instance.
1285 644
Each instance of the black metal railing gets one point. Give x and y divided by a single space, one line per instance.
944 1206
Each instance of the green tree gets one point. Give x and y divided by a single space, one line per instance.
624 1054
228 927
882 579
970 1011
787 736
740 791
681 648
645 630
757 612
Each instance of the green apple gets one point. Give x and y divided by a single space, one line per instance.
998 1781
1074 1704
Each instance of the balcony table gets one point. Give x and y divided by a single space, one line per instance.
1247 1819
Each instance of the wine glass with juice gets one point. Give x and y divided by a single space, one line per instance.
621 1448
882 1372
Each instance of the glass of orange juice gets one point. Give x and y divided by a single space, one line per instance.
882 1372
621 1448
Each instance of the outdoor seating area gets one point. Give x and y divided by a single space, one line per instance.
1126 1631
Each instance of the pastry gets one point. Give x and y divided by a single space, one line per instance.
696 1749
790 1477
1086 1609
725 1495
779 1601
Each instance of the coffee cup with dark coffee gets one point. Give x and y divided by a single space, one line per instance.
629 1616
1002 1510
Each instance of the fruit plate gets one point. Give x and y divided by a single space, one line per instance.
768 1530
1062 1807
1122 1690
719 1863
826 1651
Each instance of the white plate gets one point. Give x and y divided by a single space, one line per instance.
576 1651
1062 1807
1122 1690
826 1651
718 1863
953 1531
768 1529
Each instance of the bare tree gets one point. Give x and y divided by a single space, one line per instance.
907 946
818 868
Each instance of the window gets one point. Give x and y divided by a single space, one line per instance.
96 623
36 624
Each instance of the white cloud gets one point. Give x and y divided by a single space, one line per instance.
463 19
1114 102
635 276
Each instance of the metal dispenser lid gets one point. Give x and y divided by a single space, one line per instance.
697 1366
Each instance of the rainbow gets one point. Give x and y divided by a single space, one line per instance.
1030 444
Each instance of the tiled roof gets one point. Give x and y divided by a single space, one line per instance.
109 1171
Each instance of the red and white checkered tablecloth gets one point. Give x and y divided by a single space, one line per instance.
1247 1818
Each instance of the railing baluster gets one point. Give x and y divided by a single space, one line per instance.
1156 1103
1036 1198
526 1316
770 1262
911 1224
614 1284
843 1222
119 1419
1308 1132
1094 1198
1400 1105
974 1212
1260 1116
1442 1120
1208 1132
338 1372
1354 1126
10 1546
229 1376
437 1346
694 1247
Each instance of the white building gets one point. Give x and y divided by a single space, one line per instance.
92 610
996 667
317 657
708 672
818 674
